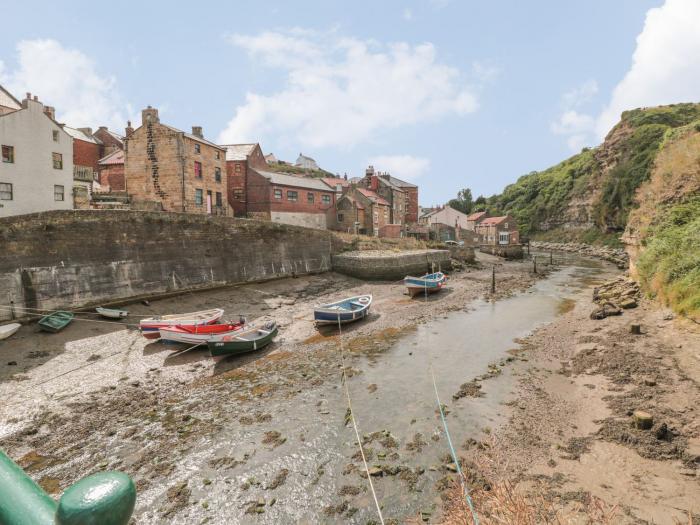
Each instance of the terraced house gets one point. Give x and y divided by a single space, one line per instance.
171 170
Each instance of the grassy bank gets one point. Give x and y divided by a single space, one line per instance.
669 265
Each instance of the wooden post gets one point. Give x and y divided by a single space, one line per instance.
534 264
635 329
551 258
493 280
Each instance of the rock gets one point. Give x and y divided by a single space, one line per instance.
451 467
635 329
12 363
661 432
628 303
648 381
375 471
642 420
605 310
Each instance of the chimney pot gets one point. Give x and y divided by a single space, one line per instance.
29 95
36 99
197 131
149 115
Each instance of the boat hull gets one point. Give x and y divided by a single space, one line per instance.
55 322
223 347
8 330
110 313
427 284
150 328
346 311
327 318
190 335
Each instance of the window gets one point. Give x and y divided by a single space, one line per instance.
198 197
340 217
57 161
238 168
278 194
197 148
217 174
8 154
376 217
505 226
58 193
55 135
218 199
238 194
310 197
198 169
326 199
217 154
5 191
292 196
503 238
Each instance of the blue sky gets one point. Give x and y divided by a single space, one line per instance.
446 93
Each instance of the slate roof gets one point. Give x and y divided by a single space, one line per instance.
7 100
79 135
284 179
193 137
398 183
238 151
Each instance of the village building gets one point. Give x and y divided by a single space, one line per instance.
402 196
87 151
111 172
110 140
338 184
171 170
495 231
240 160
446 224
271 159
474 219
306 163
362 211
36 166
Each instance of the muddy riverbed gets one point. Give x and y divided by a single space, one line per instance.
265 438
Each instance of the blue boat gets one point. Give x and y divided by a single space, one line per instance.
345 311
429 283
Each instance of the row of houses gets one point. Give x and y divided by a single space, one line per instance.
445 223
47 165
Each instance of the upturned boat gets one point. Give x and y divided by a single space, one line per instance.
345 311
429 283
7 330
56 321
199 334
243 341
111 313
150 327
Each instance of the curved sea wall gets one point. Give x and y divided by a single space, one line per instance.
76 258
389 265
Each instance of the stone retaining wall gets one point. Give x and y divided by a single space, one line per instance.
509 251
70 259
389 265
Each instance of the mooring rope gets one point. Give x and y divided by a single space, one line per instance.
453 453
354 422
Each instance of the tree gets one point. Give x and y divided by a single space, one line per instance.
463 202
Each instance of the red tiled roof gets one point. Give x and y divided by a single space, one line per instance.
334 181
476 216
373 196
116 157
494 220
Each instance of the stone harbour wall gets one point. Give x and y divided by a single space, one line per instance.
390 265
75 258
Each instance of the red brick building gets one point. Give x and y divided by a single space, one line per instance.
110 140
362 211
111 171
240 159
498 231
402 196
475 218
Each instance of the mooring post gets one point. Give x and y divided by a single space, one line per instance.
534 264
551 257
528 247
493 279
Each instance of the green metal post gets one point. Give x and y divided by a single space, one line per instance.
22 502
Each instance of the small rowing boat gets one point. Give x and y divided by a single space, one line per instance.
243 341
150 327
7 330
111 313
429 283
345 311
198 334
56 321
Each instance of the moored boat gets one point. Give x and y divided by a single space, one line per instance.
56 321
111 313
345 311
150 327
7 330
198 333
429 283
243 341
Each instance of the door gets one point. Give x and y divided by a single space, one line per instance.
209 202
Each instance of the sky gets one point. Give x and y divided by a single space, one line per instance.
447 94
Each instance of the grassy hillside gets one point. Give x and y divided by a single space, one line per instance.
591 194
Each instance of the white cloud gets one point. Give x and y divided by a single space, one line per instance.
484 71
665 70
68 80
341 91
407 14
404 167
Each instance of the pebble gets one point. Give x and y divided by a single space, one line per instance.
12 363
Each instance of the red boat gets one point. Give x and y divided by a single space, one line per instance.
198 333
150 328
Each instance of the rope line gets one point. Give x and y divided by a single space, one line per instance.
354 423
453 453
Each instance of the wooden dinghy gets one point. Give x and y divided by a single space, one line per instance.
429 283
56 321
345 311
7 330
150 327
243 341
111 313
199 334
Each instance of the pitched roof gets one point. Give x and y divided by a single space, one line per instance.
80 135
7 100
238 151
284 179
116 136
116 157
334 181
373 196
193 137
494 220
476 216
398 183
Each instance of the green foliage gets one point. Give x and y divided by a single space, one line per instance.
669 266
674 115
463 202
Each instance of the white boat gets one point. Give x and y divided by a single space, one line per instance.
198 334
111 313
8 329
150 327
345 311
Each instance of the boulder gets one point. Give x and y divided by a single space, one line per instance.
642 420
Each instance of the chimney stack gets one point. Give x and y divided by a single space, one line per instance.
197 131
36 98
129 130
369 171
50 112
149 115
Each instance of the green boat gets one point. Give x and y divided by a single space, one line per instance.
56 321
242 341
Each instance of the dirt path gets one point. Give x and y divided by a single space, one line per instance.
570 441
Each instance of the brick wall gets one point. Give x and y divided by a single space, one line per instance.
113 176
411 205
236 185
109 143
47 263
86 153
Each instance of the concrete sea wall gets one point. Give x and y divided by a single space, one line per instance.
390 266
68 259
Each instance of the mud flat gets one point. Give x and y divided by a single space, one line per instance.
264 438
